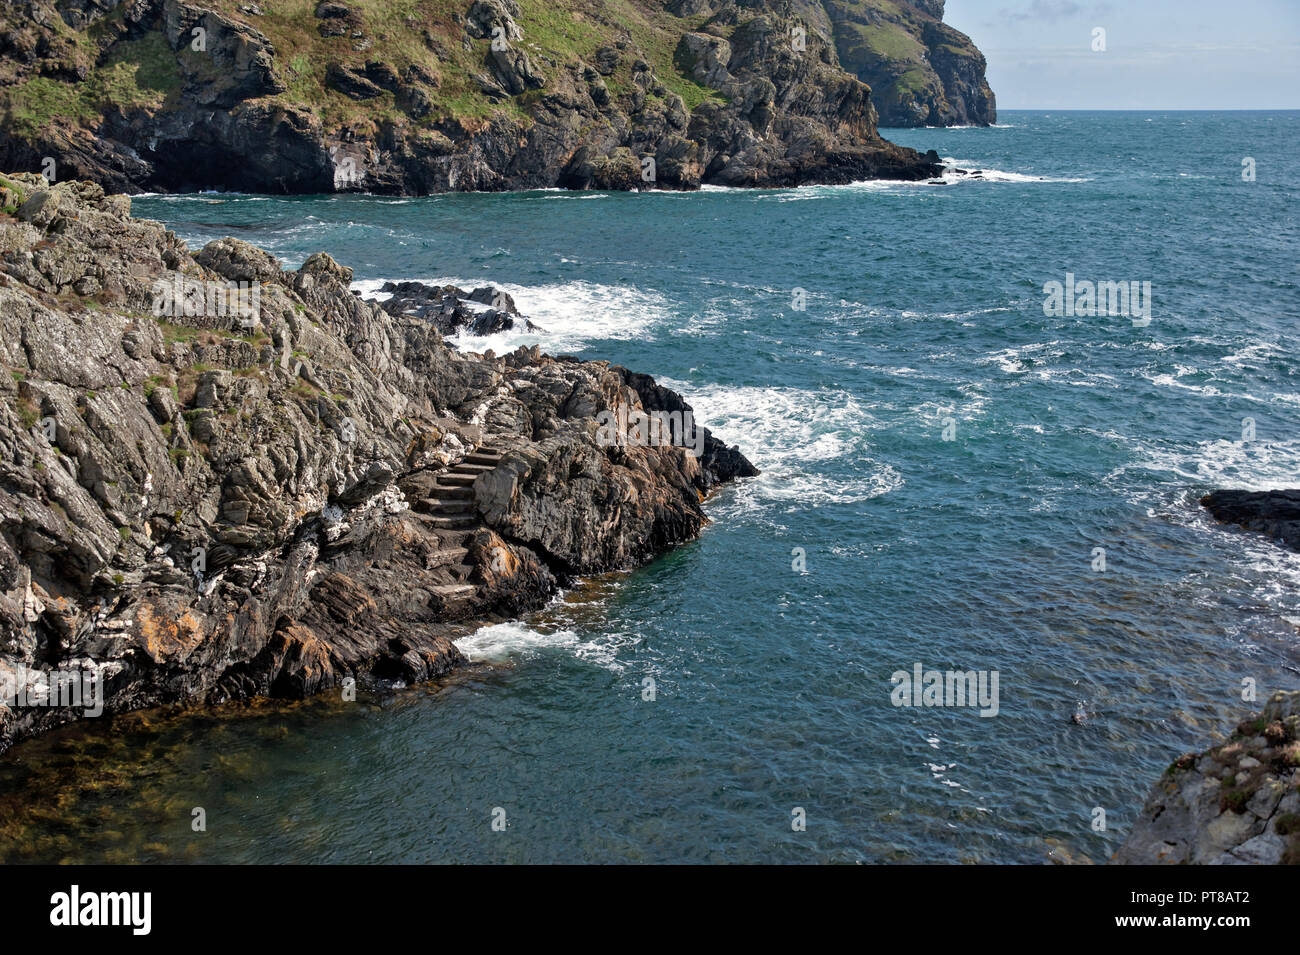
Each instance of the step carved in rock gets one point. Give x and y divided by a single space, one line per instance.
453 591
448 557
450 521
451 492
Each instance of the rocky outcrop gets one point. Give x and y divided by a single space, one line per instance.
170 95
1238 803
219 479
921 71
1275 513
483 311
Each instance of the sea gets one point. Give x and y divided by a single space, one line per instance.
956 476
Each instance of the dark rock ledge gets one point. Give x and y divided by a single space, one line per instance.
484 311
1275 513
204 509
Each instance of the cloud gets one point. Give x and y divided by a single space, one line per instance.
1051 11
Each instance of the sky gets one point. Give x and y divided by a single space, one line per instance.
1160 54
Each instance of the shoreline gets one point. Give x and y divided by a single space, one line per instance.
309 504
1238 801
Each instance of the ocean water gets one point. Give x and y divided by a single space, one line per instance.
923 314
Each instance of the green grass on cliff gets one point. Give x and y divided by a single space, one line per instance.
143 73
139 74
35 103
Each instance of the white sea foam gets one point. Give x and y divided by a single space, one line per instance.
992 175
505 640
794 436
1034 362
1257 465
571 314
511 641
973 173
1251 466
1257 356
932 414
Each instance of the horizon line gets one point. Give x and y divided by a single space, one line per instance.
1150 109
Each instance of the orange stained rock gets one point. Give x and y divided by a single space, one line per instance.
166 636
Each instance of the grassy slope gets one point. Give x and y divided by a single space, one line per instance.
139 74
142 74
882 30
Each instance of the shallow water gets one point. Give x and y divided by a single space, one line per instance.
772 686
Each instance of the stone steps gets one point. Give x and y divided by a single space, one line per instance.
449 522
448 557
449 505
439 505
453 591
454 491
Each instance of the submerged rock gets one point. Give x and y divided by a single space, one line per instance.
220 480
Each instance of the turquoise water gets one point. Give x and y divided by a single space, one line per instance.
924 307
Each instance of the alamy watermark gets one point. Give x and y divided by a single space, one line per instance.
66 686
190 298
127 909
925 688
649 429
1087 299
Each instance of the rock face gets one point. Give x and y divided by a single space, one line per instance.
921 71
173 95
1235 804
1275 513
219 479
483 311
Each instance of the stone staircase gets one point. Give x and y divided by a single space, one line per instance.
449 509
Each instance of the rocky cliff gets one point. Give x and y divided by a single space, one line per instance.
314 96
219 479
1234 804
921 71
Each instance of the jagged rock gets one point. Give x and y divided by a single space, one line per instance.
1275 513
351 83
203 514
234 62
607 60
336 19
485 16
1238 803
704 58
514 70
450 310
921 71
238 261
